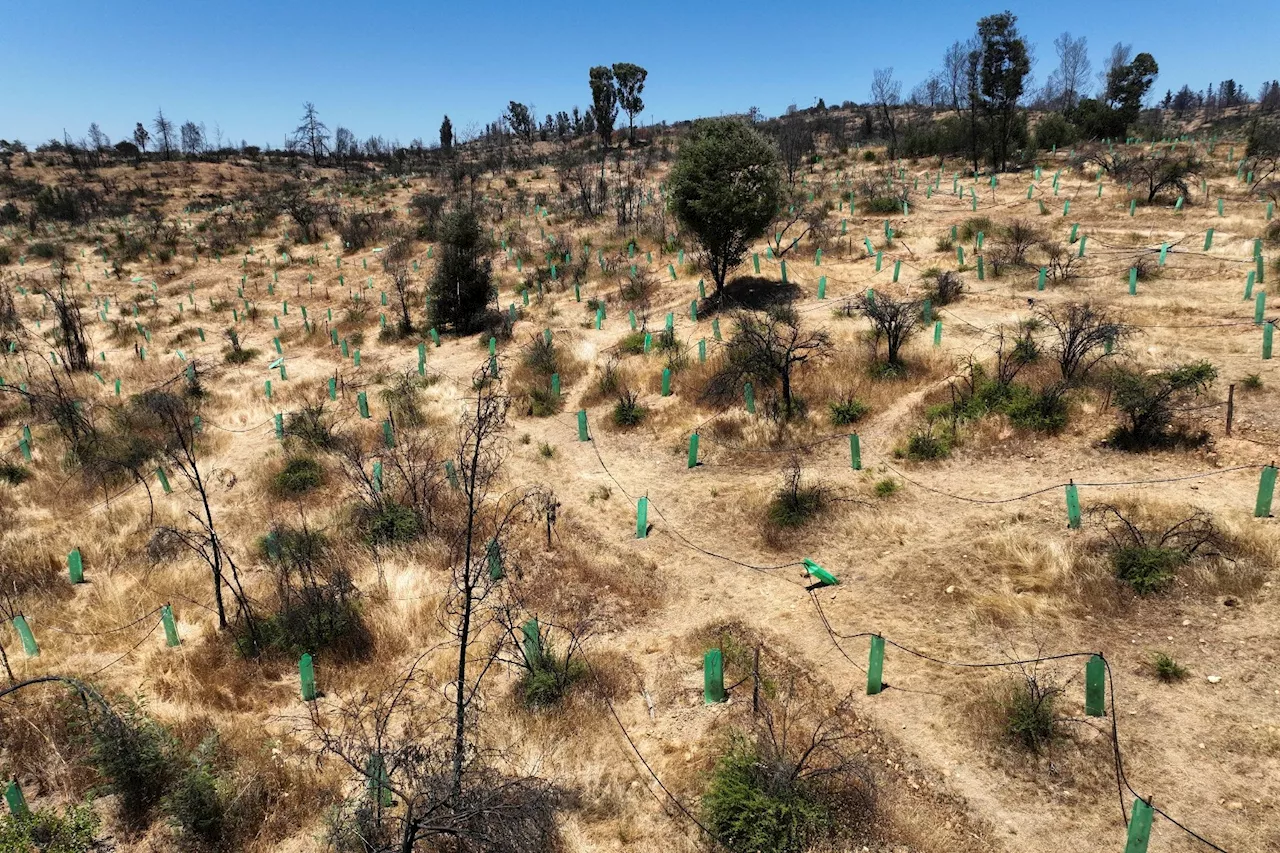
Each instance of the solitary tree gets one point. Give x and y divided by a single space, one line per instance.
1128 84
725 189
1073 68
312 135
462 287
630 84
894 320
1002 74
164 134
886 93
141 137
604 103
446 136
520 118
1086 335
768 350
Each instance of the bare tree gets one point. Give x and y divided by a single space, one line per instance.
1162 170
1119 57
795 143
164 134
1073 68
312 134
1086 333
769 350
886 94
71 337
894 320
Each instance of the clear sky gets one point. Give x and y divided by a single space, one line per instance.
396 67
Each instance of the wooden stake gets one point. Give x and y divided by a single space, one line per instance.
1231 406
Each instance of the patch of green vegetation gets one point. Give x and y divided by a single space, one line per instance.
847 411
301 474
1166 668
1147 568
886 487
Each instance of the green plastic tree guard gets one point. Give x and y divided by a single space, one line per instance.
749 393
362 403
693 450
75 566
1268 330
693 310
170 627
599 318
164 480
1095 687
855 452
715 329
937 333
333 387
378 782
1266 488
1259 307
783 266
1133 207
1248 285
648 342
1084 238
702 349
435 337
25 447
451 473
822 287
582 426
666 382
982 274
875 666
713 677
555 384
1164 250
279 421
493 553
29 646
879 260
1139 827
823 577
642 518
377 477
307 676
1208 240
1073 507
531 641
266 388
14 799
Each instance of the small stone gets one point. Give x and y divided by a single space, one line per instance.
950 590
1214 679
1186 623
1235 806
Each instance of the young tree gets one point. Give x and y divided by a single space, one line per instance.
725 188
604 104
1150 402
630 84
141 137
886 93
312 135
1002 74
164 133
462 287
894 320
446 136
768 350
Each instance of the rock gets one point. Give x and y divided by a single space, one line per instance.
1214 679
1186 623
950 590
1235 806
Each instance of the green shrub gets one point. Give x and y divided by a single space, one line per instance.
241 355
13 473
882 204
48 251
196 805
548 677
632 343
886 487
1147 568
1029 708
869 156
796 504
847 411
1166 668
1043 411
750 808
310 426
546 451
628 412
923 445
6 256
543 403
969 229
391 523
301 474
46 831
134 754
1252 382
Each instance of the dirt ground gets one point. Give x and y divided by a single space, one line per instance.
969 560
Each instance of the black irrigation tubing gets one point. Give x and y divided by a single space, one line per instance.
1122 780
135 647
103 633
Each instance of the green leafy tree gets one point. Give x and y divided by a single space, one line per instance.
726 188
1002 75
630 84
446 136
462 286
1128 84
521 119
604 101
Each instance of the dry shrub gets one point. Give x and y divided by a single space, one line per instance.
582 580
42 742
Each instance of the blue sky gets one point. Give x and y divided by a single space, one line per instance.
395 68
